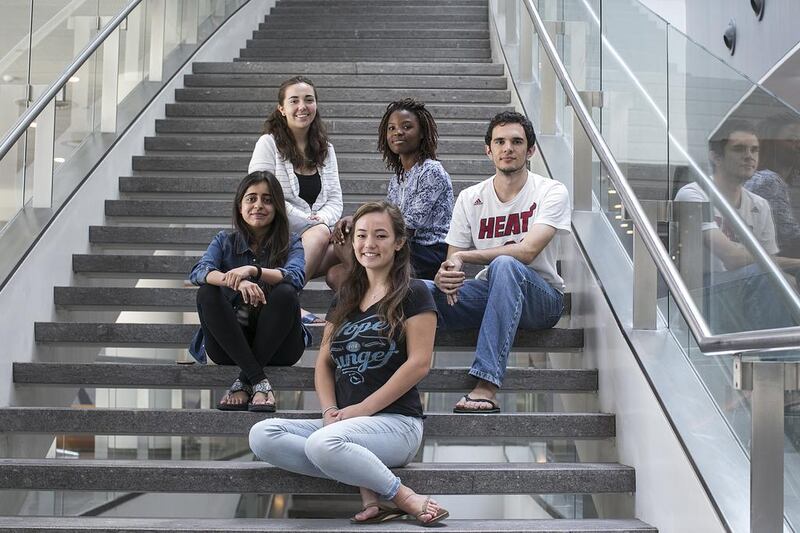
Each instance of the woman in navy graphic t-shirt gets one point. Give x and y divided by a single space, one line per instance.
377 346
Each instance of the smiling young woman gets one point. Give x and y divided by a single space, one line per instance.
419 186
249 310
377 346
295 148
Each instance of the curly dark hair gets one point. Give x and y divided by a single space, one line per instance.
356 283
317 148
511 117
429 133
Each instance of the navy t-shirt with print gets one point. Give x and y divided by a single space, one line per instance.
366 358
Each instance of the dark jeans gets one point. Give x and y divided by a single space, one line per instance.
426 260
275 340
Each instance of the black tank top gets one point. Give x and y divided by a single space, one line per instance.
310 187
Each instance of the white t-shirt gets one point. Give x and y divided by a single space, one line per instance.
480 220
753 209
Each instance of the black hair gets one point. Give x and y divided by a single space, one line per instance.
511 117
428 132
276 241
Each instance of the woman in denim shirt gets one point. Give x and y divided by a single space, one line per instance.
248 301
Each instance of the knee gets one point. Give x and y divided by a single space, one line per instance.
284 295
505 265
335 276
208 294
316 238
321 448
262 437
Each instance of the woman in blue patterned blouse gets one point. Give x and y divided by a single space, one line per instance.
778 165
419 186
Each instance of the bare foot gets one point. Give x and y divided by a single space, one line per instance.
415 504
235 398
371 510
482 391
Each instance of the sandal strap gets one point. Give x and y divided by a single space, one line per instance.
262 386
367 505
239 385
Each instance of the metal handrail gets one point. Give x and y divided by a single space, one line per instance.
25 121
760 340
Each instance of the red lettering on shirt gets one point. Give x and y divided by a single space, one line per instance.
512 227
500 226
486 228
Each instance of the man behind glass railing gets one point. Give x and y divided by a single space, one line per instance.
740 296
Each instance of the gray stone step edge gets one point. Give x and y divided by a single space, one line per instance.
213 422
196 376
154 299
179 335
261 478
30 524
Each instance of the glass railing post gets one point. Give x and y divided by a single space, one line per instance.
158 14
44 150
548 86
191 21
110 84
582 156
689 251
766 380
645 275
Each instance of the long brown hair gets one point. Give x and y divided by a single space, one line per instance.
355 286
428 132
317 147
276 241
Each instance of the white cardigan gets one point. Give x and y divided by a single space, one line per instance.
328 206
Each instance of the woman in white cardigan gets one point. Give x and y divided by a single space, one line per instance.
295 148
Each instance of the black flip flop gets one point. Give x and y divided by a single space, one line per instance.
463 410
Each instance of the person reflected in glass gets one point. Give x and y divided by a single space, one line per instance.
419 186
377 346
249 279
295 148
743 294
778 166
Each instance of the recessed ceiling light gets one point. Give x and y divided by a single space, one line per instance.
58 159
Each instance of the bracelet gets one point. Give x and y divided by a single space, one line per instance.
331 408
258 273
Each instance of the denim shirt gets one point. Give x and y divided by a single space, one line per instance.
230 250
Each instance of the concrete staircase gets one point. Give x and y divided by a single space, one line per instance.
363 55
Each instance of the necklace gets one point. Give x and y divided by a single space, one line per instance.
375 297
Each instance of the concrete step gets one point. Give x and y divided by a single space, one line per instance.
334 57
36 524
347 33
410 3
186 210
480 166
292 53
261 478
369 9
375 24
326 82
334 126
270 94
330 110
246 143
227 185
156 299
205 422
163 299
333 18
178 336
283 43
172 376
316 68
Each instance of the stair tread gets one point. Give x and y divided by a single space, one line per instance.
140 375
203 525
214 422
352 67
261 478
179 335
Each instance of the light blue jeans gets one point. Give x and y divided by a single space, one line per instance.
512 296
357 451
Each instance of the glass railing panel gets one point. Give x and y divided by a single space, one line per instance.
12 177
14 53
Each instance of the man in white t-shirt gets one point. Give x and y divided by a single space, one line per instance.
507 222
743 296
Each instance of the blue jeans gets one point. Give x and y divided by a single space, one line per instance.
513 296
357 451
